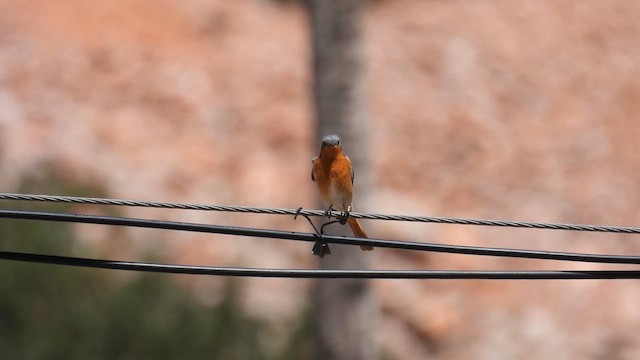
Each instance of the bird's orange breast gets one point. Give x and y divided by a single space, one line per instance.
332 172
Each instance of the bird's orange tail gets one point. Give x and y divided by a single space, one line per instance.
359 232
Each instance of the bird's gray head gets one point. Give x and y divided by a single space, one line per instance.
331 140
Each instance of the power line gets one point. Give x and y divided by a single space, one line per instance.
303 273
298 236
282 211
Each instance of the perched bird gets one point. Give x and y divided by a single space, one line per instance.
333 173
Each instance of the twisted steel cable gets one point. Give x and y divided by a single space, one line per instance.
284 211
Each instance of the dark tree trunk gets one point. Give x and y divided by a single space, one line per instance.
344 308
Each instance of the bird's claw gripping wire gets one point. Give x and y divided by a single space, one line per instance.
320 248
328 211
342 218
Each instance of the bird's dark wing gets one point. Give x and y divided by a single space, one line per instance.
313 160
351 168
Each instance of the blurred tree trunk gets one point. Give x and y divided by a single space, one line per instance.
344 308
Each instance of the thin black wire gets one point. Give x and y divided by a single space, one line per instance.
281 211
316 274
298 236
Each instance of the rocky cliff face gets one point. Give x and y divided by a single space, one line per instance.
524 110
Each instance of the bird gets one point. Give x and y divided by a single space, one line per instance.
333 173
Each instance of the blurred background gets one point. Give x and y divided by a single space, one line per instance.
524 110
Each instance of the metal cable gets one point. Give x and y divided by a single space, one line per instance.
287 235
283 211
303 273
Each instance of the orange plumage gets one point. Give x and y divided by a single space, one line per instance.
333 174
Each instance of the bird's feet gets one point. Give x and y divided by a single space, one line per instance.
344 215
327 212
342 218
